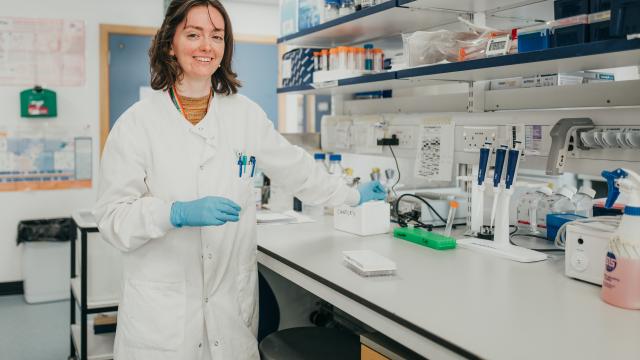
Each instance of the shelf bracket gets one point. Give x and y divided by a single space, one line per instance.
476 96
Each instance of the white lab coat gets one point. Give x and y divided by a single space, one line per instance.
180 285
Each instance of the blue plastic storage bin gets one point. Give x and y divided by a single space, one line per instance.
555 222
599 5
534 38
570 35
599 31
570 31
625 17
567 8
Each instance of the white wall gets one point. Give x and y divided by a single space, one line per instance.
80 105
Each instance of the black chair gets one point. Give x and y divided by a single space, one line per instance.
302 343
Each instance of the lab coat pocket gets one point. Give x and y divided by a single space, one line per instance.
248 293
242 191
153 314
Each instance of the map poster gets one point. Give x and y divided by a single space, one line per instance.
51 159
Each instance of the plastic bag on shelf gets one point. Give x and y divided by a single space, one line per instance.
432 47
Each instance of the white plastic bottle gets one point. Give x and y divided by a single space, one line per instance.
583 201
558 203
315 210
320 159
527 207
621 285
335 165
335 169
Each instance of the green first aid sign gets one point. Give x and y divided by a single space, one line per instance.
38 102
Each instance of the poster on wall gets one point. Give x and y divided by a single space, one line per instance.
53 158
46 52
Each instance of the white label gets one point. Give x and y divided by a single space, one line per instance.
286 69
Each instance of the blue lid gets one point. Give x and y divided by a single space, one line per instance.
368 46
335 157
632 210
337 2
319 156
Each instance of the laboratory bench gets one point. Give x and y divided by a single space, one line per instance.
455 303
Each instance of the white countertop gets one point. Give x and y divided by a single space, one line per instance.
490 307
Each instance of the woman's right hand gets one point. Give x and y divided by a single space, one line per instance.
207 211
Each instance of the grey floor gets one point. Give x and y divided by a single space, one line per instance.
33 331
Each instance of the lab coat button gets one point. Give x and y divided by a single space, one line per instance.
216 343
210 256
206 300
200 345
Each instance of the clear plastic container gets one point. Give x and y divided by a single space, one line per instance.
583 201
352 54
558 203
331 9
378 60
346 7
324 59
343 52
367 3
333 59
360 57
527 207
316 61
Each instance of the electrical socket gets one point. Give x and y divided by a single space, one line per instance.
474 137
407 135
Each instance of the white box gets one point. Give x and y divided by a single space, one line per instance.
368 263
502 84
46 269
370 218
531 81
586 252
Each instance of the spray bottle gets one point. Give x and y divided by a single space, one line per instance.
621 285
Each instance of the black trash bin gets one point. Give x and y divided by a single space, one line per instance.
45 260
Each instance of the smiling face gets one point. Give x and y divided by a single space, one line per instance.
198 43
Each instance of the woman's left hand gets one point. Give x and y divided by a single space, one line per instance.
372 190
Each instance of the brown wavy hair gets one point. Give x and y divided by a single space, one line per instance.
165 70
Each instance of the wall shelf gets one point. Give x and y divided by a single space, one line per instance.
99 346
379 21
99 305
588 56
467 6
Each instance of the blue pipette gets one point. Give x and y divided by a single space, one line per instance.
485 152
497 172
497 176
512 167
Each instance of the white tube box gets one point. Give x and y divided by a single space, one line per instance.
370 218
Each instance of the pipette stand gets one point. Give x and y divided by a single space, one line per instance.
501 246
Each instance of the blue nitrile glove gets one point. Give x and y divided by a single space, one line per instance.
207 211
372 190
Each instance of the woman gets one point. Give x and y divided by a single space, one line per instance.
171 196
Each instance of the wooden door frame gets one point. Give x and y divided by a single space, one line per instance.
105 31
